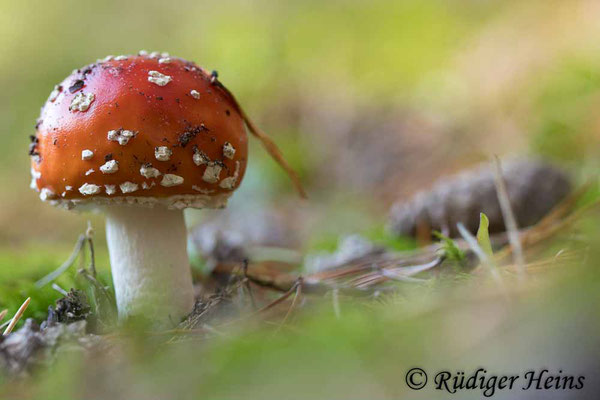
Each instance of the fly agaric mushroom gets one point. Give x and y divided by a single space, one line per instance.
141 138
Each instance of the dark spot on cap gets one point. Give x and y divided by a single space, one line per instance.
190 133
33 150
185 138
228 112
108 157
78 84
33 146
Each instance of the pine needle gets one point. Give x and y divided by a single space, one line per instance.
274 152
17 317
510 221
267 142
60 270
297 294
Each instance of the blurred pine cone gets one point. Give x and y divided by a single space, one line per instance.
534 188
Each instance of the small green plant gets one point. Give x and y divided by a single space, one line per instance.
483 235
451 251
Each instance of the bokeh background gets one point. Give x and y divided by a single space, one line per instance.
369 100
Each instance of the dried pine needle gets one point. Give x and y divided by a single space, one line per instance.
267 142
510 221
17 317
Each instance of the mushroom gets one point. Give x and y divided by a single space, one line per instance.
140 124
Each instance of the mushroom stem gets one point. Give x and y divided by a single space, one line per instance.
149 262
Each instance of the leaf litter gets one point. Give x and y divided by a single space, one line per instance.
270 293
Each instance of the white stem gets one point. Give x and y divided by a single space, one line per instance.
149 262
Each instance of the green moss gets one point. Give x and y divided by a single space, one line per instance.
21 267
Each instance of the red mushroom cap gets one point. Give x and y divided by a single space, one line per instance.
139 129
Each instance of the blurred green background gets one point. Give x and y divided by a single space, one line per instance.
378 96
369 100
